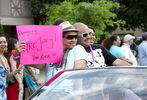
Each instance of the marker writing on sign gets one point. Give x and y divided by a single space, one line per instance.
27 32
43 56
38 44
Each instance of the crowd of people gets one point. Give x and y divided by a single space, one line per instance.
123 50
79 51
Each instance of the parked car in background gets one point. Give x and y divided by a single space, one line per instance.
110 83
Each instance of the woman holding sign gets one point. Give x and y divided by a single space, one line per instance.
74 56
4 68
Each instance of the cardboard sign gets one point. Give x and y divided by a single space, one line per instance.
43 43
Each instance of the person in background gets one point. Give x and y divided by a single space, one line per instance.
92 35
32 82
98 56
4 68
142 51
113 45
58 21
15 90
134 49
127 41
102 37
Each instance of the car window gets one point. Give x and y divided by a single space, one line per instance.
98 84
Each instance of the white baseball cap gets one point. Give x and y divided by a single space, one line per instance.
128 37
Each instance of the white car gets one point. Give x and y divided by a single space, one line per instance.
110 83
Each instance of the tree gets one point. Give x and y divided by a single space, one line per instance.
134 13
97 14
37 5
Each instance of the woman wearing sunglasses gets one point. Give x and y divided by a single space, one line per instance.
74 56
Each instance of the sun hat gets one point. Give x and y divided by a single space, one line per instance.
128 37
144 35
67 27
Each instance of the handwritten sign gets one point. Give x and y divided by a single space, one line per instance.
43 43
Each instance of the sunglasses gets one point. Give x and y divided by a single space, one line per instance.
84 34
70 37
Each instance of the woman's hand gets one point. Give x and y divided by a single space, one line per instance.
38 83
19 47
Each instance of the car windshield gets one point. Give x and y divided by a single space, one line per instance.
97 84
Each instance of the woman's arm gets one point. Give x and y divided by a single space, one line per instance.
80 63
80 56
33 75
17 76
13 65
123 58
119 62
38 66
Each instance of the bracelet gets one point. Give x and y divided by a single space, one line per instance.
17 58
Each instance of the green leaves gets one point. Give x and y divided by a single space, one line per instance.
134 13
98 14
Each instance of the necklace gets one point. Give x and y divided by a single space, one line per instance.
59 65
92 55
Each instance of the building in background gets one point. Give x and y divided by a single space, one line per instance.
123 32
137 33
15 12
